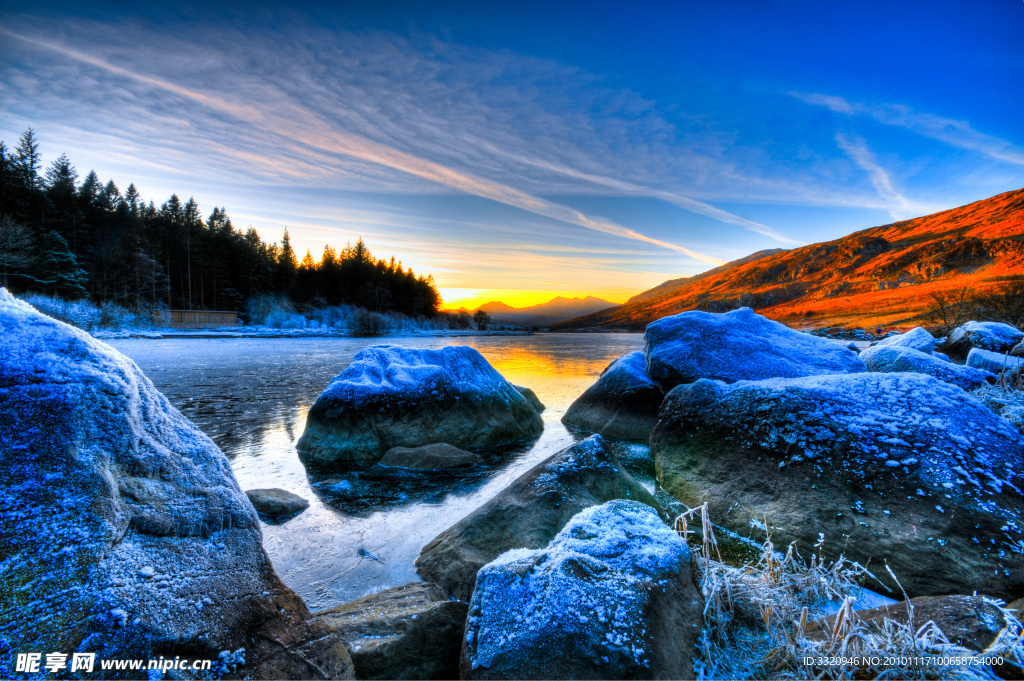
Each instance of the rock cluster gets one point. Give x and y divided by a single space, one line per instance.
735 346
993 336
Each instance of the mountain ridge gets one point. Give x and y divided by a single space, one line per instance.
876 276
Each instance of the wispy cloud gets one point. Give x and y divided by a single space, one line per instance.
292 121
857 149
959 134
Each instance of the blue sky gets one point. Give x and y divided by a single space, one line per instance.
522 150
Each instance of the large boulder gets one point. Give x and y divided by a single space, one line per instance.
391 396
623 403
412 631
124 531
897 468
997 363
738 346
434 457
528 513
994 336
611 597
894 358
917 338
1017 350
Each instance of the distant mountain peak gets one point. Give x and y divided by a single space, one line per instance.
558 309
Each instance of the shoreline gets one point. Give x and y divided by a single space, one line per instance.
265 332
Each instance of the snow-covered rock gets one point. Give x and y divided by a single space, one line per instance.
528 513
623 403
898 467
738 346
995 362
429 457
893 358
124 532
411 631
611 597
392 396
917 338
994 336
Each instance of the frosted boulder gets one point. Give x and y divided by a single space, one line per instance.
995 362
391 396
917 338
528 513
611 597
993 336
124 530
623 403
899 467
893 358
738 346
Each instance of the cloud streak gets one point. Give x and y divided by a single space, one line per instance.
299 124
959 134
857 149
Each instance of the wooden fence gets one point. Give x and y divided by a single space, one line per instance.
201 319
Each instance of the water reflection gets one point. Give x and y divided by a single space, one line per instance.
362 490
251 397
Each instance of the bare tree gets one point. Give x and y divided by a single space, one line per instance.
15 248
952 307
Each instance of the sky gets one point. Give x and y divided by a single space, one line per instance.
521 150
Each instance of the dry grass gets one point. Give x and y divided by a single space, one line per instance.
1006 397
756 622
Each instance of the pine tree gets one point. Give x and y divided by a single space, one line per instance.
59 268
287 265
27 158
16 253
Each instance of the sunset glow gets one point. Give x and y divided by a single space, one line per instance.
514 160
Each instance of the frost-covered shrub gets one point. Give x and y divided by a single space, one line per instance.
87 315
366 323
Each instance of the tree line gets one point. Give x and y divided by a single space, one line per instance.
74 240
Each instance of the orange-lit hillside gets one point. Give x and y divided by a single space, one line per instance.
882 275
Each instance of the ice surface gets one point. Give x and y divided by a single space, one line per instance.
995 362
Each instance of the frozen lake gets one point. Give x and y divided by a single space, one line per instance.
251 397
